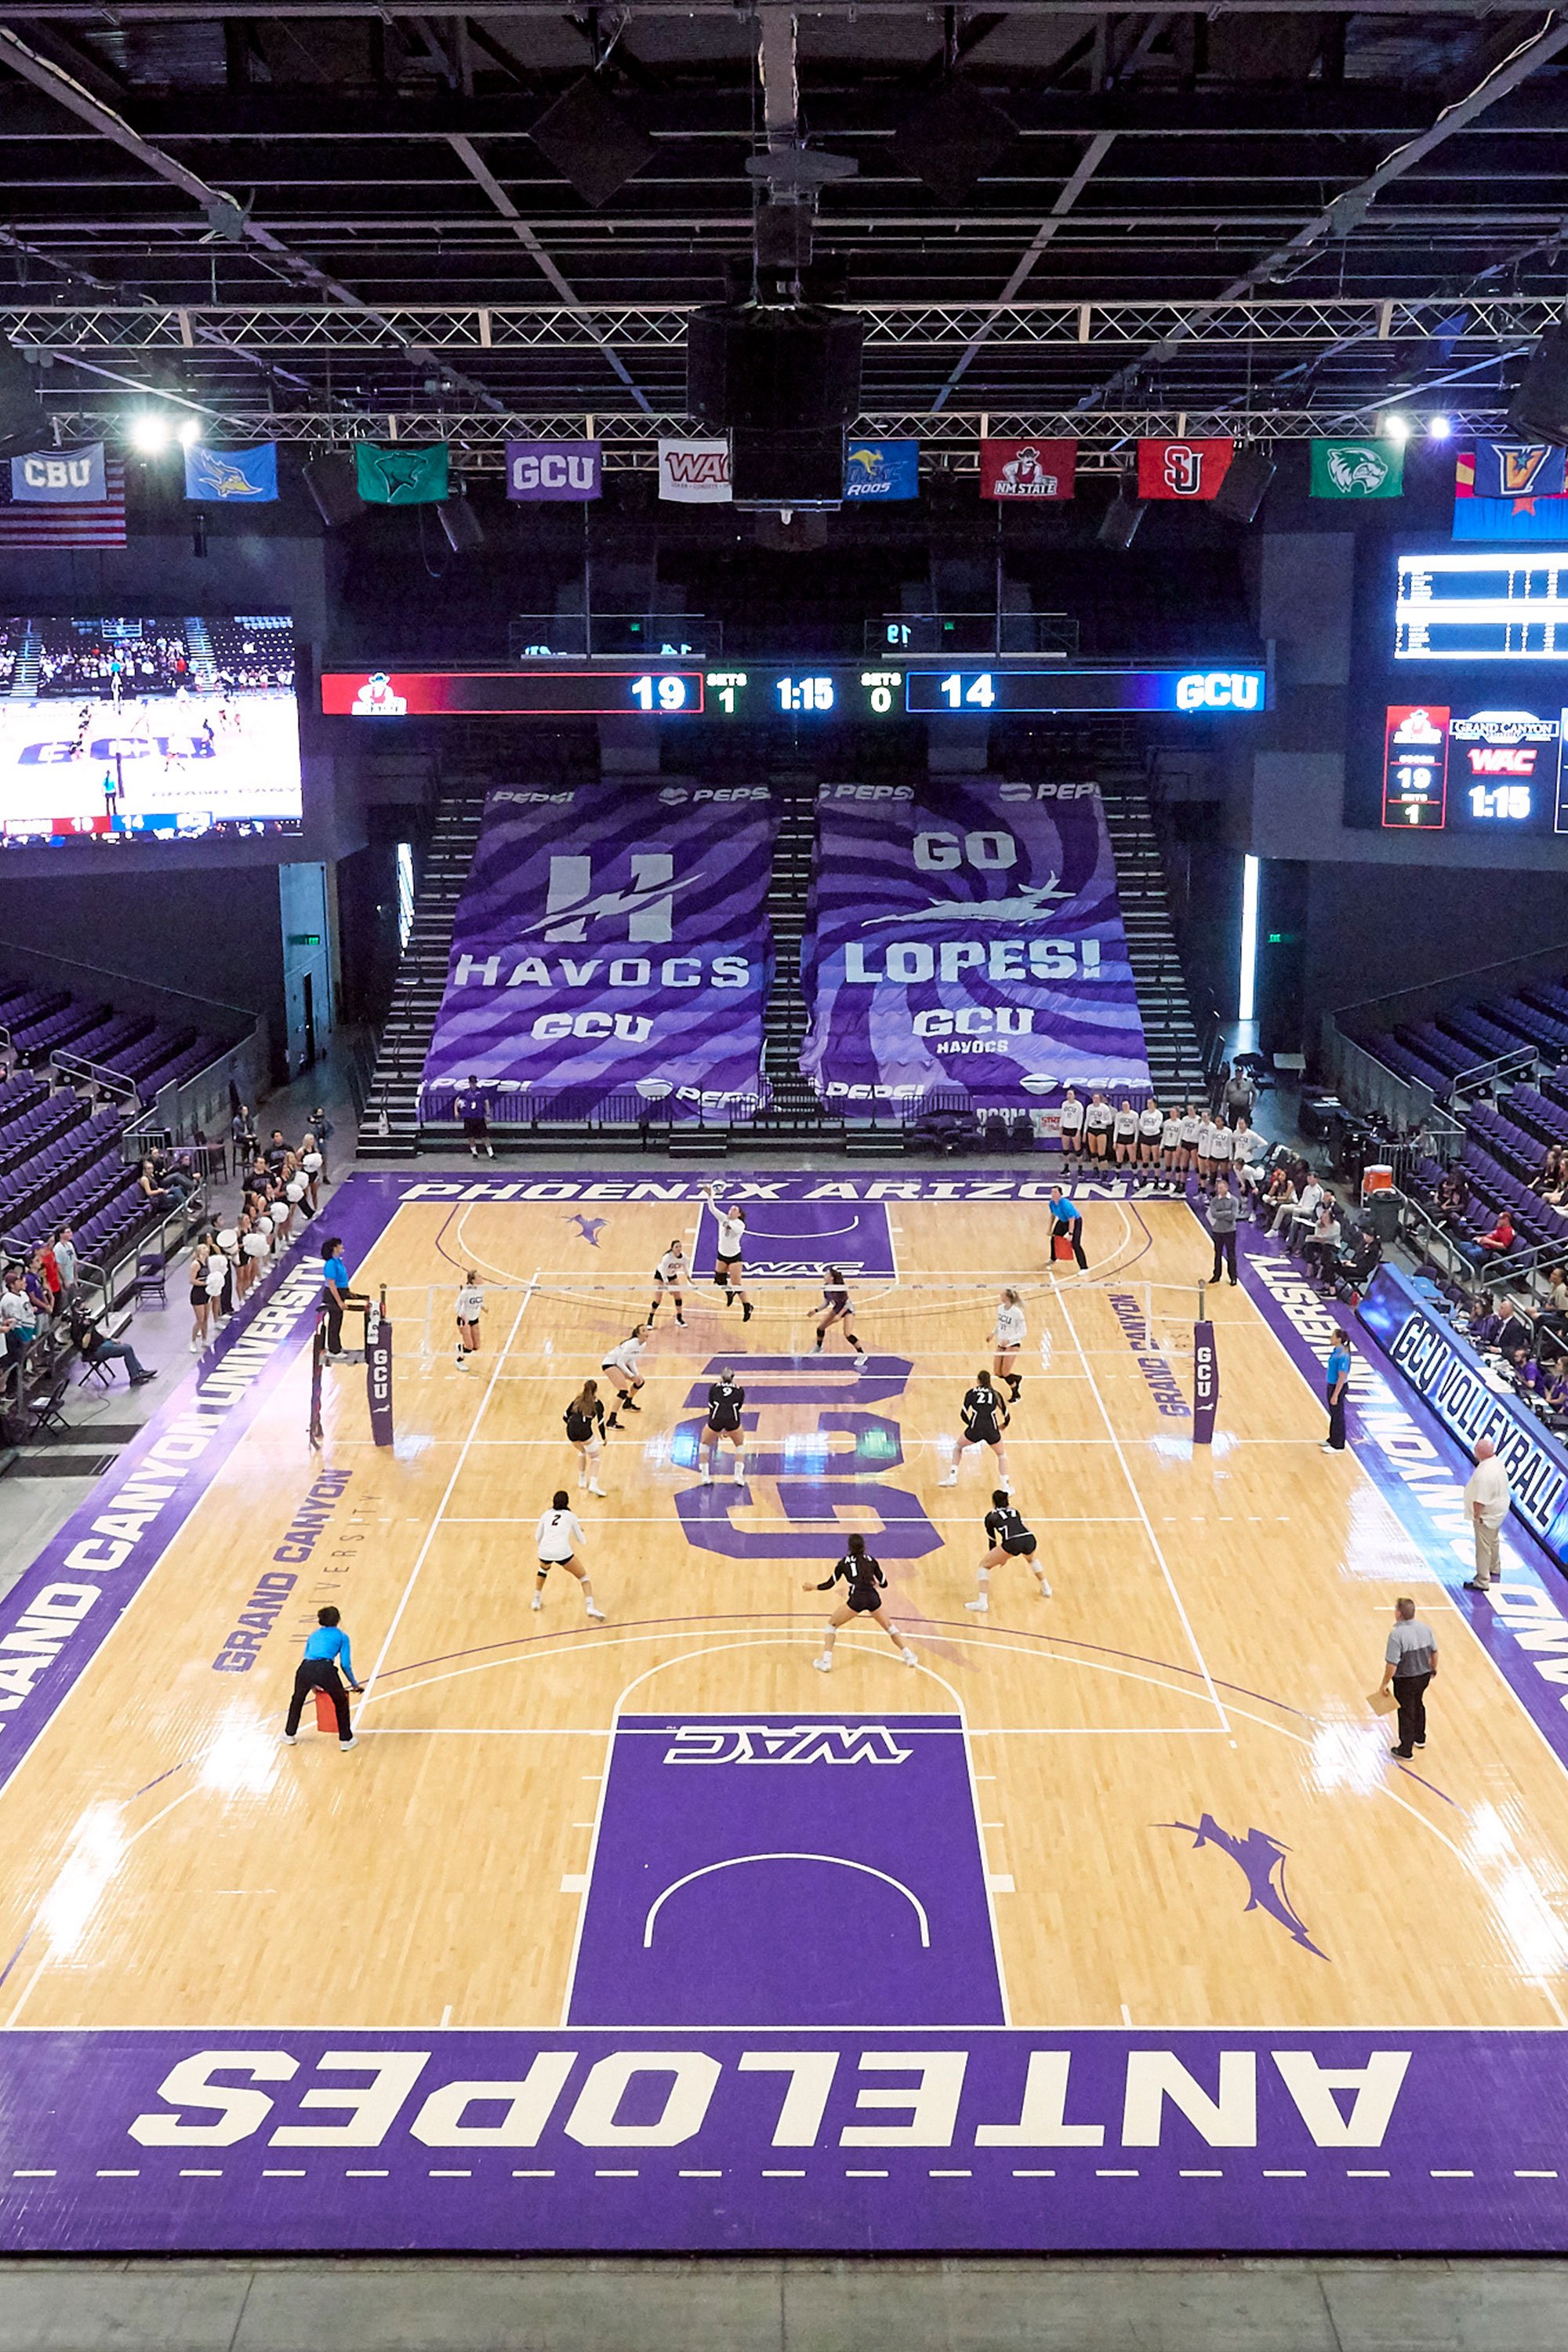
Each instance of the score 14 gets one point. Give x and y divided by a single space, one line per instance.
959 689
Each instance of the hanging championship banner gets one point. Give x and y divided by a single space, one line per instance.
1205 1383
1027 470
1182 470
968 940
635 962
378 1374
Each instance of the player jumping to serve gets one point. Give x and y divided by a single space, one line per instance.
866 1583
729 1274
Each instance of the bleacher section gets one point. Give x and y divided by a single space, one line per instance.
1466 1038
61 1163
141 1055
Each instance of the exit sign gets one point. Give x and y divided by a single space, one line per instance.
304 938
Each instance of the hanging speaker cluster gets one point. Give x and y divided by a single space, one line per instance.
783 380
952 140
1539 410
23 422
594 143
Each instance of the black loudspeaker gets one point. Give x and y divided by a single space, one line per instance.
23 423
787 469
1539 410
334 484
594 144
805 533
951 140
1247 478
772 368
1119 525
460 526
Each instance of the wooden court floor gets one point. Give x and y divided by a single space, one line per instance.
1193 1696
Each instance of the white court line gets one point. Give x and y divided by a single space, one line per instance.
1154 1542
480 1412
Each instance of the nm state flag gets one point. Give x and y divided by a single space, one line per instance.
1182 470
1027 470
882 469
233 476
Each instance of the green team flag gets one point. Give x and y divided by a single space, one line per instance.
1371 469
401 477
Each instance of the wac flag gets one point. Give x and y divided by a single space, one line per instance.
695 473
882 469
1373 468
1511 469
400 477
1182 470
233 476
1027 470
59 477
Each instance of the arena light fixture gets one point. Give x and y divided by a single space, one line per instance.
1396 427
190 430
1438 428
149 432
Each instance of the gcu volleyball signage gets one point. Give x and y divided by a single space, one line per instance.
976 943
612 947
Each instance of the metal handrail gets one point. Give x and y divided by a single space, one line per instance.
1481 1077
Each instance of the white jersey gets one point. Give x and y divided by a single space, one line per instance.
1170 1133
1126 1125
1098 1116
1219 1142
1205 1138
1250 1147
1071 1115
1190 1128
471 1303
1010 1327
731 1235
558 1535
1150 1124
624 1359
671 1266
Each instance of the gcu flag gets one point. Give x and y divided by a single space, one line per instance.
1182 470
59 477
694 473
237 477
553 470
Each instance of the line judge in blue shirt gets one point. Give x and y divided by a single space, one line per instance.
326 1652
1337 1374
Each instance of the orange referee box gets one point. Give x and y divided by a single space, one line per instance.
326 1713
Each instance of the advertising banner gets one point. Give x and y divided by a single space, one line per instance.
1027 470
971 940
608 943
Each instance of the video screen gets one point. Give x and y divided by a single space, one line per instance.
147 729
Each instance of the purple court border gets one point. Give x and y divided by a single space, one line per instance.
273 2138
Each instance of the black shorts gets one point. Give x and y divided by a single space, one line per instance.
863 1604
983 1436
666 1281
198 1295
1020 1547
476 1127
546 1565
723 1268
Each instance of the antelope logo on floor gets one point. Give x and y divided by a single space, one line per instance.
1261 1861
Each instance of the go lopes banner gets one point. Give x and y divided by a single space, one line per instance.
970 938
609 941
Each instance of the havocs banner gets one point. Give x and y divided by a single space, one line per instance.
967 938
610 942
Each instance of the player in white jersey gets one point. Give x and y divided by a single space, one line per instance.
1096 1125
559 1541
1187 1148
1124 1133
620 1364
1201 1160
1171 1146
1221 1144
1071 1117
1009 1336
729 1274
470 1306
1151 1126
668 1278
1249 1154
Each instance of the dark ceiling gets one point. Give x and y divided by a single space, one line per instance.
1272 217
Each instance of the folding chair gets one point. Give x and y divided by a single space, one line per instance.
151 1280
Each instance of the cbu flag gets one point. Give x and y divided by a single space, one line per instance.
59 477
1511 469
882 469
243 476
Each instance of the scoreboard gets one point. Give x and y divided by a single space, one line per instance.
823 691
1489 771
1485 607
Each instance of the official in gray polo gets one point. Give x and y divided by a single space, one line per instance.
1409 1664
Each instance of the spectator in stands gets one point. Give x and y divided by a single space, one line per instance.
1551 1179
157 1196
1500 1240
96 1347
276 1151
171 1175
1554 1393
18 1316
1513 1331
48 1266
1277 1205
36 1285
1321 1247
1486 1323
242 1133
64 1247
1240 1094
1451 1196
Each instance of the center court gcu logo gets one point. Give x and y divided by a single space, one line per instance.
795 1743
570 905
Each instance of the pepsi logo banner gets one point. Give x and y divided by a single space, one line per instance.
970 941
554 469
1027 470
1182 470
610 944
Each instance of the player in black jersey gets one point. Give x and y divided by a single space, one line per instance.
836 1308
867 1583
1009 1539
726 1403
985 1419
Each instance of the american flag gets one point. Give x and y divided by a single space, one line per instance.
23 525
